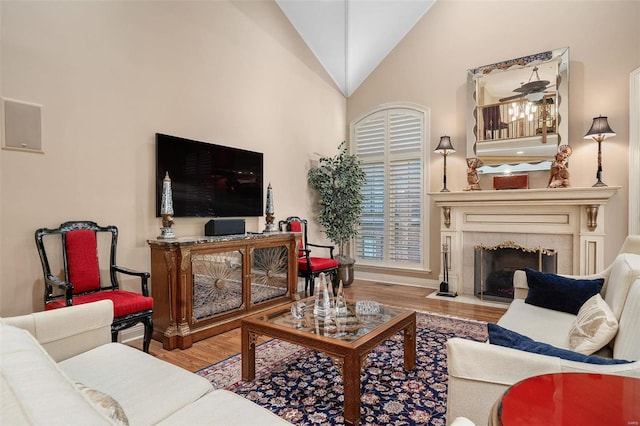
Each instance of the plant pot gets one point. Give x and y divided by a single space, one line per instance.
345 270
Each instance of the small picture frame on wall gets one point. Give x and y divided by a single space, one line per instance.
22 125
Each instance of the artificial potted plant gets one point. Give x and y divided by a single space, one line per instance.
338 181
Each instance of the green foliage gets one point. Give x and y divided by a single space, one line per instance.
338 181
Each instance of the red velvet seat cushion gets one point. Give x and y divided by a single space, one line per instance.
317 264
82 255
124 302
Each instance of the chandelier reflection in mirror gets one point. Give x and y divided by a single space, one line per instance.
529 118
522 110
527 113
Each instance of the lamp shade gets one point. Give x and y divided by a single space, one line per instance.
444 146
600 127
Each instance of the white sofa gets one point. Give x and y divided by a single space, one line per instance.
60 367
480 372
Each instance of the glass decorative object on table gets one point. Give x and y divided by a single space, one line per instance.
322 303
330 317
332 301
367 307
341 302
366 312
298 309
298 312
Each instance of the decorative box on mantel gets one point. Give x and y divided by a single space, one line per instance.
540 214
520 181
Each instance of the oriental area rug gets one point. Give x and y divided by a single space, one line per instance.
303 386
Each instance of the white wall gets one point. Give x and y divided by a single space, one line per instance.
429 68
112 74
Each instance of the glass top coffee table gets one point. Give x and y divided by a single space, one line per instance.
347 339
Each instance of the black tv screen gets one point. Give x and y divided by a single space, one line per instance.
209 180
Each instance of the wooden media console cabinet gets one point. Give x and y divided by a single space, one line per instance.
203 286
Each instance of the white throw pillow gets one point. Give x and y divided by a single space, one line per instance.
105 404
594 326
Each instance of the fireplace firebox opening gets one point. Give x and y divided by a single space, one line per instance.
494 267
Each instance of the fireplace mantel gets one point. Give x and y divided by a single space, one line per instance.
579 196
575 212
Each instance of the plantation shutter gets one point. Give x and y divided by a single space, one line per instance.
389 144
370 137
370 244
405 187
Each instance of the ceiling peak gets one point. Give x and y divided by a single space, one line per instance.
351 37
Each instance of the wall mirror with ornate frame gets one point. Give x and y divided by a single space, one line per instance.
517 112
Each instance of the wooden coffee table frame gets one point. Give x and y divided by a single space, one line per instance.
349 356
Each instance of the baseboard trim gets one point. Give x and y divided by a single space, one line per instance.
463 298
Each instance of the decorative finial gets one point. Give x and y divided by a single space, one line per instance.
166 209
270 227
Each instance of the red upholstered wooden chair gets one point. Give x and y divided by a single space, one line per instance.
310 266
82 283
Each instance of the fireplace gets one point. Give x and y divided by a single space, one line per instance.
570 220
494 267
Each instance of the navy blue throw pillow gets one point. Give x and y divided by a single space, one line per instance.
510 339
564 294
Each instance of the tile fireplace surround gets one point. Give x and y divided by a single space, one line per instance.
570 220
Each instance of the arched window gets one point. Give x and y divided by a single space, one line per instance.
391 144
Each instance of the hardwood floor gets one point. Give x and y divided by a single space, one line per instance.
222 346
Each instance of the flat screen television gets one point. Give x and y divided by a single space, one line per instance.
209 180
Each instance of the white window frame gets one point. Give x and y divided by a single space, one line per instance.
425 156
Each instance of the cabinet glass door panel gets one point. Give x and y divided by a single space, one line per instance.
269 275
217 283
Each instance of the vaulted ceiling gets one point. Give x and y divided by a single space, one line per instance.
351 37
